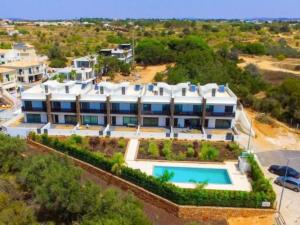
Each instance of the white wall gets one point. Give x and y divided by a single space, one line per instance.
211 123
162 121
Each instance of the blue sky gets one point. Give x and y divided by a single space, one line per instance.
64 9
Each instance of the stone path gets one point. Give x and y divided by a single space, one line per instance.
132 149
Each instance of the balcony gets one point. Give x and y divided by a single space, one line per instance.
120 111
176 113
72 110
166 112
85 110
220 114
32 109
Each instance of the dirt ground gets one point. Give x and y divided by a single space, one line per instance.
267 220
275 136
141 75
272 69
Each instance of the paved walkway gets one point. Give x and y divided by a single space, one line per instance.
132 149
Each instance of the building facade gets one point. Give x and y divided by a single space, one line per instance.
28 71
8 79
153 105
8 56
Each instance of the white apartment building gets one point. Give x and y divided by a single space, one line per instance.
28 71
26 51
9 55
181 106
85 62
8 79
81 74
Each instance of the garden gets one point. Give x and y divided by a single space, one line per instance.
261 188
178 150
99 145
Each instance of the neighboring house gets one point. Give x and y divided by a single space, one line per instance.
85 62
123 53
81 74
27 51
153 105
9 55
28 71
8 79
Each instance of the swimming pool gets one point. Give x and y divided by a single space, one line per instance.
192 175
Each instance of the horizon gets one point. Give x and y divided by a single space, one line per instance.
149 9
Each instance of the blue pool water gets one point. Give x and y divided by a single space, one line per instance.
192 175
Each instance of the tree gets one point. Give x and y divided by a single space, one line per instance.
56 56
11 149
166 176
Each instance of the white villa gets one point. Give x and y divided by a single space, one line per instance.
28 71
8 79
9 55
123 52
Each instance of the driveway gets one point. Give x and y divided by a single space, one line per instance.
290 208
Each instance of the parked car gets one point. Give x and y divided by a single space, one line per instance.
290 182
280 170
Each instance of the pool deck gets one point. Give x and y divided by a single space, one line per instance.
239 181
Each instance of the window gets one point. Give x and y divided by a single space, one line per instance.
90 120
129 120
150 122
229 108
209 108
101 90
123 90
33 118
66 105
37 104
94 105
161 91
30 71
70 119
7 77
146 107
223 124
183 91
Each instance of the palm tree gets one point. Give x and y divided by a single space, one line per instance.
118 163
166 176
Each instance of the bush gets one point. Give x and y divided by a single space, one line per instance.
233 146
208 152
206 197
167 149
122 143
153 149
190 152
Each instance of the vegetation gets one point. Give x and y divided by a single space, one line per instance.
187 150
263 192
46 189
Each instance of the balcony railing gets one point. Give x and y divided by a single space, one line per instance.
220 114
33 109
119 111
84 110
73 110
156 112
187 113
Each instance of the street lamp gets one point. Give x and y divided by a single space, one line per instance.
249 136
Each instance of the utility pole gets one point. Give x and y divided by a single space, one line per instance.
133 53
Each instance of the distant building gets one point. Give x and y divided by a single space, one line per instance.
8 79
26 51
9 55
81 74
85 62
28 71
123 53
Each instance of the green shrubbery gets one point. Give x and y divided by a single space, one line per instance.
122 143
208 152
153 149
167 149
262 190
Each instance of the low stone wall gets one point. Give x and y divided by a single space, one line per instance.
187 212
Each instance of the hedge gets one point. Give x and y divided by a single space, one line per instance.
262 189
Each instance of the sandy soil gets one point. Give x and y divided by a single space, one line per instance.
269 63
268 220
141 74
275 136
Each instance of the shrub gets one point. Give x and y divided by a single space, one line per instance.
180 156
153 149
234 147
190 152
167 149
122 143
208 152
